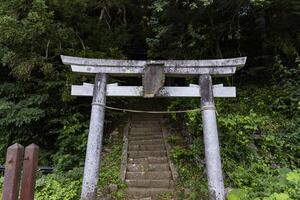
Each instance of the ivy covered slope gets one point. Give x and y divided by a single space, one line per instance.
259 129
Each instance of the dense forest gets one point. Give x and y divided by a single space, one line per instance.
259 130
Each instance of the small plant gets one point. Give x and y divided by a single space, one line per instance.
173 139
166 196
179 154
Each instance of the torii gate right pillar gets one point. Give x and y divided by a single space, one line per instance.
211 140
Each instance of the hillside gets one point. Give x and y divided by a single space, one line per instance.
259 130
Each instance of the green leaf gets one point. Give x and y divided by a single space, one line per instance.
237 194
294 176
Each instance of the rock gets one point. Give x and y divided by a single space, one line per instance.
106 150
114 133
102 198
108 197
227 190
113 188
147 198
253 147
187 192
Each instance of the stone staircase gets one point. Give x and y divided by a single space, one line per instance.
148 172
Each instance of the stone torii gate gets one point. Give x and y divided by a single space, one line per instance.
154 72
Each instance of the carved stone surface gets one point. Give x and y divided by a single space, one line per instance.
153 79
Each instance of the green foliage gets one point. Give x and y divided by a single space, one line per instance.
179 154
22 112
166 196
110 168
190 173
59 186
35 102
283 185
72 143
19 112
259 135
237 194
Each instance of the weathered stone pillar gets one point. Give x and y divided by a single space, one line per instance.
94 145
211 140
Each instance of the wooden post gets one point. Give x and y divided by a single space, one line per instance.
30 165
211 141
12 172
94 145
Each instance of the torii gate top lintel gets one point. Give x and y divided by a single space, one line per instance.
214 67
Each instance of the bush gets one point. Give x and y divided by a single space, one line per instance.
283 185
59 186
259 137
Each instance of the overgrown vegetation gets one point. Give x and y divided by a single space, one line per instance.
111 170
60 185
259 129
259 134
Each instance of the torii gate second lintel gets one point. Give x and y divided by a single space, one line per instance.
154 70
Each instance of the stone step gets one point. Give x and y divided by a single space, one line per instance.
145 133
145 154
146 147
140 122
145 137
163 183
149 175
143 129
142 134
149 160
147 167
141 118
148 172
151 193
147 142
146 125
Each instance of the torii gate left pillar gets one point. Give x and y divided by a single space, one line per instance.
93 151
201 68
